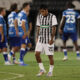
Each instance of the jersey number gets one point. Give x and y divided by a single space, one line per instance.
19 22
70 19
11 22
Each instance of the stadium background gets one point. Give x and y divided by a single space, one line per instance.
54 6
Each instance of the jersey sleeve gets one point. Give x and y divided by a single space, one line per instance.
38 21
1 22
15 16
64 14
78 16
24 18
54 20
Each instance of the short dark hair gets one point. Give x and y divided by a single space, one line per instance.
1 9
13 7
25 4
43 6
70 5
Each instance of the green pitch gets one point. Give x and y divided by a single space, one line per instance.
68 70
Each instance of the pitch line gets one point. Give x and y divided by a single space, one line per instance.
17 75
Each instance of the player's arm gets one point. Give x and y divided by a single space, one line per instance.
38 27
30 27
2 34
37 34
24 29
16 26
54 25
61 26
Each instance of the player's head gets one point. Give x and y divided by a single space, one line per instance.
14 7
70 5
2 11
44 10
26 7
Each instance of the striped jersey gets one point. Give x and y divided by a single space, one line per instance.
45 23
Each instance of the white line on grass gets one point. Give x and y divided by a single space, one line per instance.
16 75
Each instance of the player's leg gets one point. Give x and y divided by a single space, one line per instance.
4 50
38 51
65 51
49 50
50 73
65 38
12 54
0 50
5 55
74 38
22 53
14 46
29 45
28 48
77 49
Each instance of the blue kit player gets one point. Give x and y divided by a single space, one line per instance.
13 32
3 36
24 31
68 29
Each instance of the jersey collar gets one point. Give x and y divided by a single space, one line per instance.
23 11
70 9
13 12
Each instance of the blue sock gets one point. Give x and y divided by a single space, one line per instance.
78 54
26 51
65 52
14 58
5 55
11 53
22 53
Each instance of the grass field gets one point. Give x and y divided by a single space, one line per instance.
68 70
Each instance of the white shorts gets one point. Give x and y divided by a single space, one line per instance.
48 49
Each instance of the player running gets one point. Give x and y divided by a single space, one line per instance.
68 28
24 31
3 36
46 29
13 32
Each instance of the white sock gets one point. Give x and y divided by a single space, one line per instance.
41 66
51 68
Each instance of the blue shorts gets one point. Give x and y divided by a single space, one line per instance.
66 36
4 43
25 41
14 41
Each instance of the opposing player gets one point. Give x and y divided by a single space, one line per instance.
3 36
46 28
24 31
68 28
13 32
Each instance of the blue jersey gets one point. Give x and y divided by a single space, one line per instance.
3 24
22 16
12 16
70 21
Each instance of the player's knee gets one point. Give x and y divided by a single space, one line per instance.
0 50
4 49
29 45
37 54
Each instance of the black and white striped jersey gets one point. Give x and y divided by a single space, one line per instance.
45 23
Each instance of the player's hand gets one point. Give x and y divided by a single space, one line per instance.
2 38
24 36
28 33
60 31
17 33
51 42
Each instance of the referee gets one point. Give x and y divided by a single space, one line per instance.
46 29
